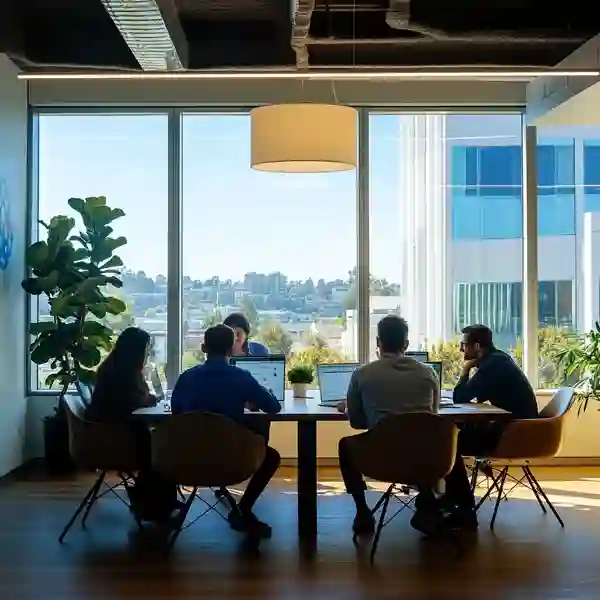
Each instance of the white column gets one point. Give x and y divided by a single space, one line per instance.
530 255
423 226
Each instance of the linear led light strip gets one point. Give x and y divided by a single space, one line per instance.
326 75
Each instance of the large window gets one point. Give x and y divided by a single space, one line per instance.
446 227
125 158
445 236
279 247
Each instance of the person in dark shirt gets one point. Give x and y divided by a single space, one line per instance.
499 381
216 386
242 345
119 391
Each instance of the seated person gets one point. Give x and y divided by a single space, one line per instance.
120 390
498 380
243 346
216 386
393 384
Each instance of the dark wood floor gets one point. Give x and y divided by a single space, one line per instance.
529 556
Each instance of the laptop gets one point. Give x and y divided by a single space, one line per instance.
159 391
446 395
269 371
334 379
420 355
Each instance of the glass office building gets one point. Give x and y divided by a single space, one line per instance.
463 235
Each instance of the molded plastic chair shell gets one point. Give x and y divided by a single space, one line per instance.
206 450
416 449
103 446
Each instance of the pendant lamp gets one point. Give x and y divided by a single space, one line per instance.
304 138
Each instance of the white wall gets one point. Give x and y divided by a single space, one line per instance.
13 180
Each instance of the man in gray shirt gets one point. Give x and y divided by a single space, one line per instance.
393 384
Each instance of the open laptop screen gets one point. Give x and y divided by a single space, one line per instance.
437 367
420 355
269 371
334 379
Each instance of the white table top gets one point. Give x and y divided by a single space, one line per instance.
309 410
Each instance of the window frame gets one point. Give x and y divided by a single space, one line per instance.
175 200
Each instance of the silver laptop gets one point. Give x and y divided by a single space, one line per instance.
446 395
159 391
269 371
334 379
420 355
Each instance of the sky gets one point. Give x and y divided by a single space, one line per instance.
235 220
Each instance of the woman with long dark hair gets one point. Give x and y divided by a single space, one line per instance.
120 390
120 384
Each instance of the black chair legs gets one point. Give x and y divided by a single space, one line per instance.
531 482
225 495
86 503
384 507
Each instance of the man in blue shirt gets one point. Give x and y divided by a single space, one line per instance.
218 387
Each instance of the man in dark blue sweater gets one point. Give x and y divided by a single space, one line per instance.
499 381
218 387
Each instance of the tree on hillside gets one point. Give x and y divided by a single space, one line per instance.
249 309
213 318
314 356
377 287
275 338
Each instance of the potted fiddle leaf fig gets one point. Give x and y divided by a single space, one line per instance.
74 269
300 377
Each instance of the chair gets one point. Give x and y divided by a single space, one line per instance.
416 450
524 440
100 447
204 450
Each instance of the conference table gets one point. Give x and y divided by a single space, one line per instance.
307 413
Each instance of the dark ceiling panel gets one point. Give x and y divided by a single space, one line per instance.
257 33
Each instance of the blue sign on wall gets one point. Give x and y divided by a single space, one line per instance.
6 231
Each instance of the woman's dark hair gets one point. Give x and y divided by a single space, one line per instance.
239 320
128 355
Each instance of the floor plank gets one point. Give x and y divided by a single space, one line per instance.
529 555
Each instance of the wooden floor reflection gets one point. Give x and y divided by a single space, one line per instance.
528 556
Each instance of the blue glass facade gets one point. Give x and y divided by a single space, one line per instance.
486 190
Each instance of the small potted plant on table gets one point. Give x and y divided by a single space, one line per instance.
300 377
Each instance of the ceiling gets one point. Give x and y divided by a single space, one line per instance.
50 34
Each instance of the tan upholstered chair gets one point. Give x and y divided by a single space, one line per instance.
525 440
100 447
199 450
416 450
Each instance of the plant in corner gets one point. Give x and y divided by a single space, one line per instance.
73 270
579 358
300 377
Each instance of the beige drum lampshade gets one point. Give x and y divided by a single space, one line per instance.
303 138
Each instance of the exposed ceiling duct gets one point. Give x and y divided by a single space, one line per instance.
152 31
398 16
301 12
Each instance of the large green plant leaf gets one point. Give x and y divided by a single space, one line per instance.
105 247
42 327
86 354
37 255
115 306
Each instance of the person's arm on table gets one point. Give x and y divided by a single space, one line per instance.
259 398
354 405
476 387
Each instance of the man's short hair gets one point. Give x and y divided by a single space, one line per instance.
392 332
479 334
218 340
